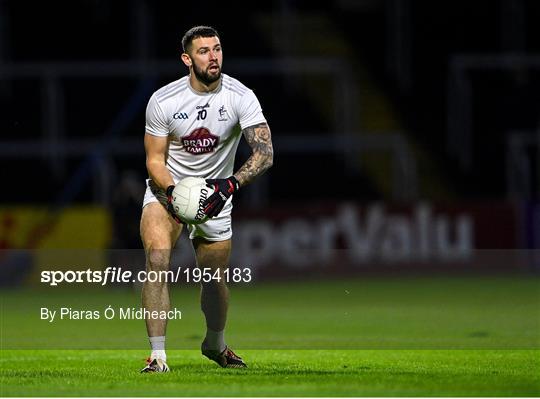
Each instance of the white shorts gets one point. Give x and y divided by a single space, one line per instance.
218 228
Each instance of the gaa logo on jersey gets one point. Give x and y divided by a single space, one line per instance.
200 141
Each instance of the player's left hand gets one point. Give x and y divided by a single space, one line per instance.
223 189
170 207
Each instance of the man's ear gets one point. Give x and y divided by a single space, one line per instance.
186 59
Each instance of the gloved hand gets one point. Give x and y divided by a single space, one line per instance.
170 206
223 189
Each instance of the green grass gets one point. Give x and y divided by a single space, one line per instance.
276 373
370 337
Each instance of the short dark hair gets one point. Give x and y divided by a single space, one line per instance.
196 32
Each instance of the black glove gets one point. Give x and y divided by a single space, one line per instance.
223 189
170 206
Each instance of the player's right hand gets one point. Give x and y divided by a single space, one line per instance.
170 206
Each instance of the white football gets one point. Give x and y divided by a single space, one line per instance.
188 197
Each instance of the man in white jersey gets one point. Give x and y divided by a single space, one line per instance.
189 132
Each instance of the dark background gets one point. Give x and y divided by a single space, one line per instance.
395 100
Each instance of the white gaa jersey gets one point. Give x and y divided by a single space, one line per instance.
200 125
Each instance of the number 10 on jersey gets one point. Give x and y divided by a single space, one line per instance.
201 114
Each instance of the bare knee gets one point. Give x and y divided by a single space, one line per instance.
157 259
216 283
159 235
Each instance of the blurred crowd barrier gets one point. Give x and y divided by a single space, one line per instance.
29 234
347 239
289 241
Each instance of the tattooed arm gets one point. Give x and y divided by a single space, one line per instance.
260 141
258 138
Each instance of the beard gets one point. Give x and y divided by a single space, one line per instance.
204 76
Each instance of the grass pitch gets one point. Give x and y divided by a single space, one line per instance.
375 337
276 373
